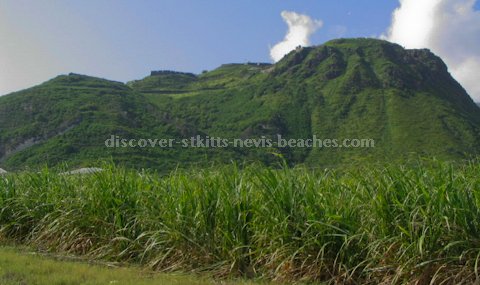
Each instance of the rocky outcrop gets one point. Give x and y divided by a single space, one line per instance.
83 171
27 143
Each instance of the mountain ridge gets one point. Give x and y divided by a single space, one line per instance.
348 88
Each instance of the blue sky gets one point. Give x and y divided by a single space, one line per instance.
123 40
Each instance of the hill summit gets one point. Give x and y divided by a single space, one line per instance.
406 101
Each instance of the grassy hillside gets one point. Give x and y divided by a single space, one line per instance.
68 119
405 100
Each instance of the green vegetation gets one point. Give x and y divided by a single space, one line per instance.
398 224
356 222
22 267
357 88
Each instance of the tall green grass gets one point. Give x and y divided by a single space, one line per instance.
396 224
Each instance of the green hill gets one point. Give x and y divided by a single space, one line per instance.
405 100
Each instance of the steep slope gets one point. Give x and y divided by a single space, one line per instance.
69 118
405 100
66 117
362 88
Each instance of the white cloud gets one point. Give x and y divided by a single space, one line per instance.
300 28
450 28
